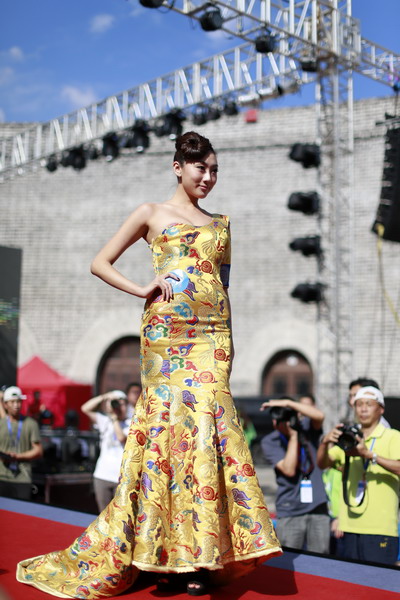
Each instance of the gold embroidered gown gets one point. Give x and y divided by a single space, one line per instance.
188 495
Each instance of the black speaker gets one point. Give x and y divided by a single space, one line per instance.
10 281
388 213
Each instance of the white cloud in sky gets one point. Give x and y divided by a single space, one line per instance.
16 53
78 97
101 23
6 75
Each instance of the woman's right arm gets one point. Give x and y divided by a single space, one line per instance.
134 228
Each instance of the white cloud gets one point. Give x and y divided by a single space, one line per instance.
78 97
101 23
16 53
6 75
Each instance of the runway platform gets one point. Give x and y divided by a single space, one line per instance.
28 529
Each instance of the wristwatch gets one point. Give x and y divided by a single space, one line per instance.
374 458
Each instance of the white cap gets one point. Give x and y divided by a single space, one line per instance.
370 392
13 393
117 395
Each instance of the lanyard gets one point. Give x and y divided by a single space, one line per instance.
304 457
366 461
14 441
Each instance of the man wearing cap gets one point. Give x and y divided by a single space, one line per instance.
369 515
113 428
19 446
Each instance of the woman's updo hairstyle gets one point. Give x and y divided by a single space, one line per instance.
192 146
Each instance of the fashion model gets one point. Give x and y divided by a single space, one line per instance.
188 506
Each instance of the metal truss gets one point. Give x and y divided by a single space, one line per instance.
323 28
336 271
240 70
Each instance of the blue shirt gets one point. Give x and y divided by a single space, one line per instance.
288 503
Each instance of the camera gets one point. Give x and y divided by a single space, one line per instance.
282 414
347 440
114 404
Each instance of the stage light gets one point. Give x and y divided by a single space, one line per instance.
309 155
249 99
305 202
78 158
51 163
110 146
308 292
171 124
265 42
230 108
75 158
151 3
200 115
214 112
211 19
308 246
270 92
140 135
309 65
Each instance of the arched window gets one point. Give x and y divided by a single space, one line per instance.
287 373
119 365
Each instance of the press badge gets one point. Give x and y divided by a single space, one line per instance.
360 490
306 494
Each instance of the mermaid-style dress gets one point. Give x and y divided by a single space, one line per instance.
188 495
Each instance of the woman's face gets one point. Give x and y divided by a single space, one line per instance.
199 177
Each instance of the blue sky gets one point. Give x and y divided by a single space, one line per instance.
58 56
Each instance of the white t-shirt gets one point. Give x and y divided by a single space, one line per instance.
109 462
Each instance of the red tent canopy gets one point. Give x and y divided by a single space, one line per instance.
57 393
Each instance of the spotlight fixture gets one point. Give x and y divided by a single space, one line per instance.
307 203
52 164
200 115
75 158
270 92
171 124
249 99
110 146
308 246
309 64
308 292
309 155
230 108
140 135
211 19
151 3
265 42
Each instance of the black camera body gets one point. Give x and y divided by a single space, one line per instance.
282 414
347 440
114 404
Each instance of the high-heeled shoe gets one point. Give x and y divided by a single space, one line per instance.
198 584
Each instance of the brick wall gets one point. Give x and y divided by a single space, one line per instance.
62 219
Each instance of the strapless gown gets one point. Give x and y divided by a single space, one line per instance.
188 495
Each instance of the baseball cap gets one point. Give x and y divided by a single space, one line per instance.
13 393
370 392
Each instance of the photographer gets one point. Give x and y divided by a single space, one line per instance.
301 503
113 428
19 445
368 455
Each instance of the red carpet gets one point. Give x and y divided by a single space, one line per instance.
23 536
